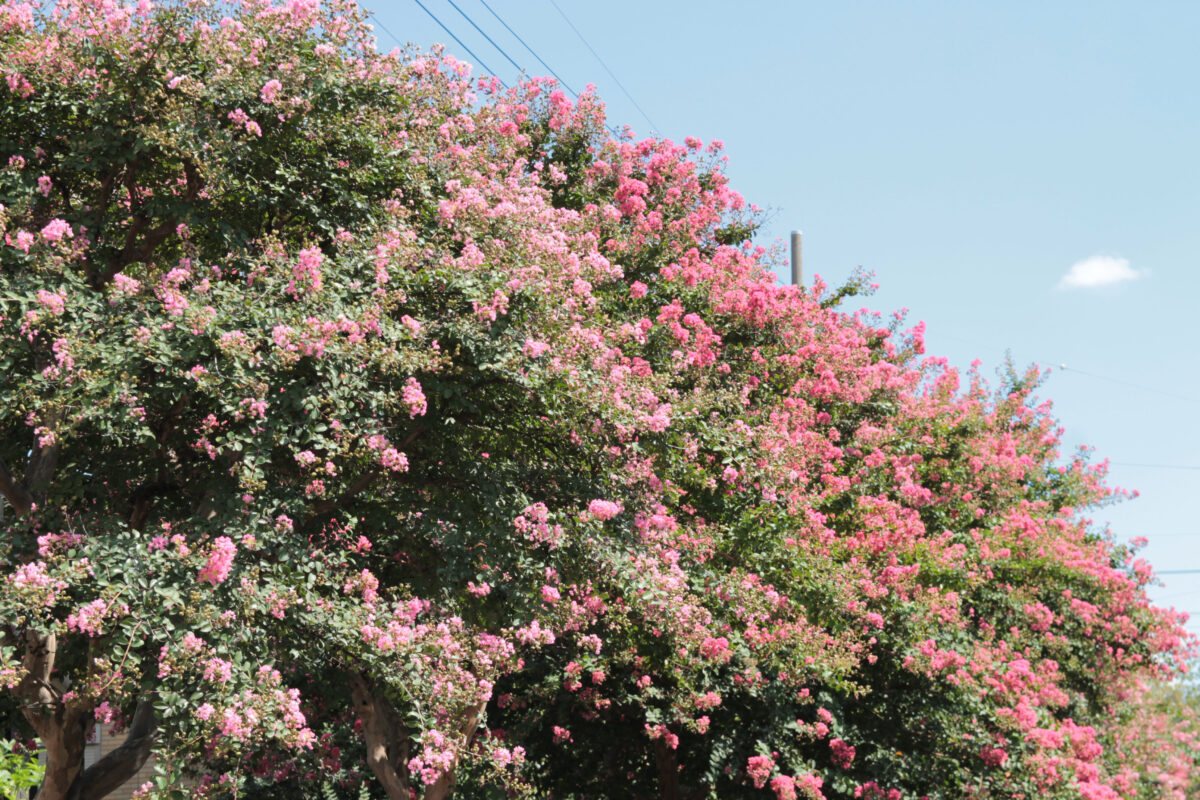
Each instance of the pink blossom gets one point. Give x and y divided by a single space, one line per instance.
604 509
784 787
54 302
24 241
105 713
993 756
123 284
394 460
240 117
233 725
410 324
716 649
437 757
306 273
759 769
57 229
220 561
219 670
412 397
842 753
269 90
89 619
535 349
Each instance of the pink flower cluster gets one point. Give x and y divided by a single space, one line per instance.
33 576
759 769
413 398
269 91
219 670
56 230
437 756
604 509
220 561
306 273
389 457
89 619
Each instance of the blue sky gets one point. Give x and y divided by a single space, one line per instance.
972 155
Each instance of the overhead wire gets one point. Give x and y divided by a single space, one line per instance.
1154 466
1130 384
532 52
384 28
653 128
464 15
442 25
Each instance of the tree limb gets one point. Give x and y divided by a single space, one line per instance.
386 739
668 770
61 727
44 461
444 785
14 491
122 763
361 482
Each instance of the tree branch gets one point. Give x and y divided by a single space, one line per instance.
386 739
668 771
41 651
122 763
44 461
14 492
361 482
444 785
61 727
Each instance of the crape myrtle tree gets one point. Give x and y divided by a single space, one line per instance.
367 431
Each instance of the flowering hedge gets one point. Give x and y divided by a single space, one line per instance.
369 429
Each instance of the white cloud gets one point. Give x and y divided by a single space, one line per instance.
1097 271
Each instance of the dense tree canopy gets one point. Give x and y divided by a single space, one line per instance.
367 431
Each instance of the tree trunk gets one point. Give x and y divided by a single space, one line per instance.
443 787
388 744
386 739
668 771
63 729
121 764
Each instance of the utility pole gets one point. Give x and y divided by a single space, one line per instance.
796 261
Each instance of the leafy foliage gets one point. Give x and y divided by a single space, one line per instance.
19 771
372 432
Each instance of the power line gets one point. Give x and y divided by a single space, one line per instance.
1153 466
942 333
384 28
530 49
460 42
1065 368
653 128
463 14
